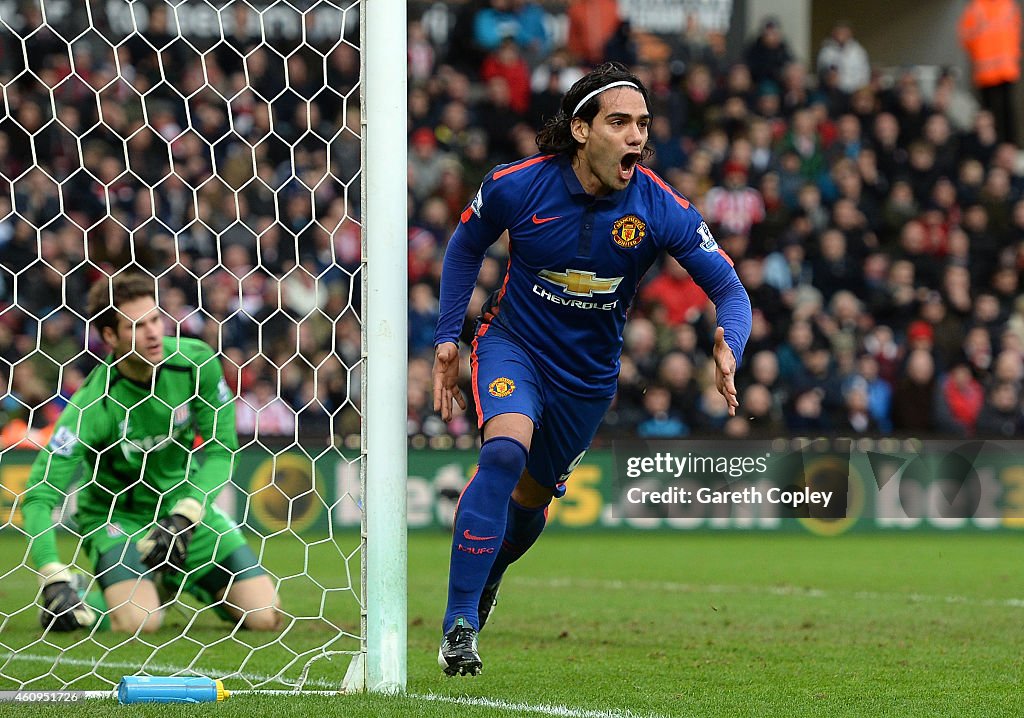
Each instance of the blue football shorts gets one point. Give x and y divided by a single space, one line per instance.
506 380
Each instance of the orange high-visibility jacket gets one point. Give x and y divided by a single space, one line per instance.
990 33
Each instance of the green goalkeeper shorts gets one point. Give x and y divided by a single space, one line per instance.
217 555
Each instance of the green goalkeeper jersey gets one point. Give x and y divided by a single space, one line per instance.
135 444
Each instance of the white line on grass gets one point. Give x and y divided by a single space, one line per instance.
673 587
159 668
550 710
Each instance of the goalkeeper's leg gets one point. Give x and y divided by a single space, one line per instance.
254 602
238 589
225 573
133 604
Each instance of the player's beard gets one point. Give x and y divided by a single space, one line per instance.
620 170
612 168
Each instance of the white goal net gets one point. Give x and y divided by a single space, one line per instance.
216 147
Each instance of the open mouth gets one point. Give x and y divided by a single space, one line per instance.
628 164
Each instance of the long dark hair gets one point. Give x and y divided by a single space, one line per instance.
556 135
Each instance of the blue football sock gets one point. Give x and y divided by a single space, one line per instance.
480 526
522 529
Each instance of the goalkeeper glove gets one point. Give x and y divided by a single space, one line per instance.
63 608
167 542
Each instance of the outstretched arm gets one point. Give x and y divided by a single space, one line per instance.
462 262
712 270
479 226
51 476
462 259
725 371
74 436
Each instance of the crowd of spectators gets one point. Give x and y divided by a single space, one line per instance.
877 225
876 221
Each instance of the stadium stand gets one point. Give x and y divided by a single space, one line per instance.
880 237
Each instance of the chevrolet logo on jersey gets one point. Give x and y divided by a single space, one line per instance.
580 283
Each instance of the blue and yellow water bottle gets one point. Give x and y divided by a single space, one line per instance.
159 689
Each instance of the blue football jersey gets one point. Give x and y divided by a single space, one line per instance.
575 264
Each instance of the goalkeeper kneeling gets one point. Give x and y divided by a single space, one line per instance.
145 507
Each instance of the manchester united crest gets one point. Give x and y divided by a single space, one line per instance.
629 231
501 387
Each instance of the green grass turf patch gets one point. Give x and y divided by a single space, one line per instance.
664 624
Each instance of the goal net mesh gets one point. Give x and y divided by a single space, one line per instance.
214 146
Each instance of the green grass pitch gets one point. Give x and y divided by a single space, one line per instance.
599 625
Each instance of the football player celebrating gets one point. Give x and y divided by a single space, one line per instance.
585 221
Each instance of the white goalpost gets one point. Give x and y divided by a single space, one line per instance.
249 156
384 338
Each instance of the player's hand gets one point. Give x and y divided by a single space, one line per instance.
63 609
446 380
725 371
167 542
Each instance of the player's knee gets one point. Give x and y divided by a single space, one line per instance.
264 619
504 454
134 620
531 495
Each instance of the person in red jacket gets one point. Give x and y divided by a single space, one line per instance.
675 290
990 34
507 62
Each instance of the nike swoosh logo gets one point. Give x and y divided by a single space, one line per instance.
471 537
540 220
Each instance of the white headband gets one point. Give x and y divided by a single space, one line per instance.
598 91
